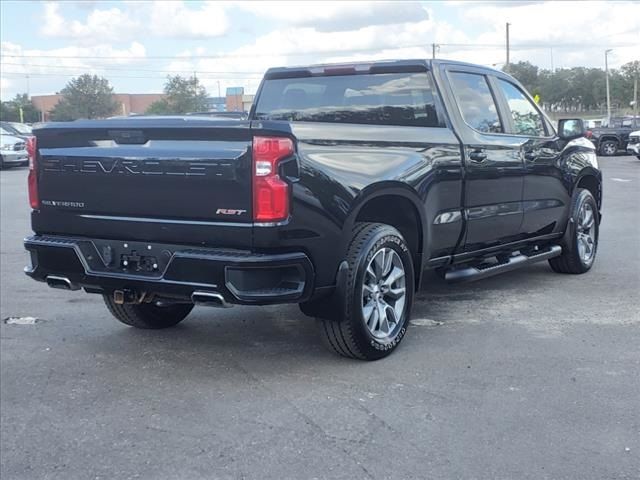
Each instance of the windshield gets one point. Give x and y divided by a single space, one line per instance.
378 99
22 128
4 132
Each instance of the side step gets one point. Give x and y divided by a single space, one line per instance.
467 274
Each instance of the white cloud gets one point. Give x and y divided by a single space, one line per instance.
100 26
136 20
6 88
577 32
316 32
335 16
55 67
176 19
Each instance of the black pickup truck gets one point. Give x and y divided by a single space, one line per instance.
614 136
344 184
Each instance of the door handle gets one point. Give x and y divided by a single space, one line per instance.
477 156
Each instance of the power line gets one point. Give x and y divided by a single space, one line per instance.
521 46
37 74
127 69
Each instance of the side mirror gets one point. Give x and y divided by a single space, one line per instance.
570 128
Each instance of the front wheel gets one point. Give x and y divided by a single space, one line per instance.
581 239
608 148
378 296
148 315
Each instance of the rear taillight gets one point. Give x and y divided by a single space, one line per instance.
270 192
34 199
588 134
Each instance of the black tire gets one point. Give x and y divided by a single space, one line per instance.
347 333
608 148
148 315
571 260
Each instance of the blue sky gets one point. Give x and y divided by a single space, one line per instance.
136 44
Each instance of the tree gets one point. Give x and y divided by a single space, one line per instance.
10 111
527 74
87 96
182 95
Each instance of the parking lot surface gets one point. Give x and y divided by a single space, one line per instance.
530 374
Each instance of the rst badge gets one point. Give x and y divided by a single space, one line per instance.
230 211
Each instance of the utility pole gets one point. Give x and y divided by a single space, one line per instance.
434 47
635 97
506 65
28 95
606 71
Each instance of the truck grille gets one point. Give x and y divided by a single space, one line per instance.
18 147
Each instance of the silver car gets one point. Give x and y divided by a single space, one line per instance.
13 150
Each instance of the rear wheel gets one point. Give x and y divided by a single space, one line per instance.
608 148
148 315
581 241
378 296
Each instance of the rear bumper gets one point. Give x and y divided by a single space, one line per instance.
176 271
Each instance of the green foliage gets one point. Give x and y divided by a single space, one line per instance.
578 88
87 96
10 111
182 95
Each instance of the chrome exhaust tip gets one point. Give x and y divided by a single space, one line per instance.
209 299
62 283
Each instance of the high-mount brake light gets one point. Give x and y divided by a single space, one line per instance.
270 192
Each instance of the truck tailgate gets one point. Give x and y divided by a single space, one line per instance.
155 171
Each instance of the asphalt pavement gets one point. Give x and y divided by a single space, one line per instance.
528 375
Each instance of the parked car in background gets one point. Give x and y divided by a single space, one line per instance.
633 145
613 135
16 129
592 123
13 150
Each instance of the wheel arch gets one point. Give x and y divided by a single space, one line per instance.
591 180
397 205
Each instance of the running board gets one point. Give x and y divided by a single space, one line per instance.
467 274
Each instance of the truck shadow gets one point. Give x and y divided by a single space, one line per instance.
283 334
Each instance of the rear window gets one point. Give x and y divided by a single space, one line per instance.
379 99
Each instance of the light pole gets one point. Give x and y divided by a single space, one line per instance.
606 71
506 65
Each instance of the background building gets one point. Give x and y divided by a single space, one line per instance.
128 103
138 103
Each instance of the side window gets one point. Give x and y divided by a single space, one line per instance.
476 102
526 118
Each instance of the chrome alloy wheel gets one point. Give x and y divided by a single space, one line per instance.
383 293
586 231
609 148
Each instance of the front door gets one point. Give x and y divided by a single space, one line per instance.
545 196
493 164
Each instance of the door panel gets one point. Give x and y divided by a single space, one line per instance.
545 197
493 164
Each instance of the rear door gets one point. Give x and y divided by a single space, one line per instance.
492 162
